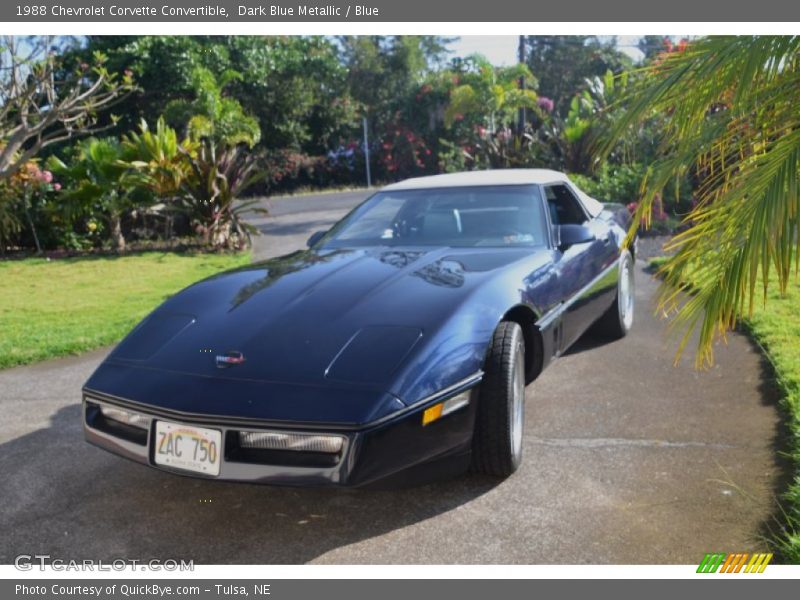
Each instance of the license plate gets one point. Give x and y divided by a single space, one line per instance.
188 447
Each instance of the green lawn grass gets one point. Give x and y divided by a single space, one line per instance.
776 327
656 262
67 306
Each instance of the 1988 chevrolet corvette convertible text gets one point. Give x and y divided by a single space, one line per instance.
401 339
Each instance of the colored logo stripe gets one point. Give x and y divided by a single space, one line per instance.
759 561
734 563
710 563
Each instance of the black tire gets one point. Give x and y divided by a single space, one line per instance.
617 321
497 440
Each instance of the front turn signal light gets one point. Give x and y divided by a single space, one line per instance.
442 409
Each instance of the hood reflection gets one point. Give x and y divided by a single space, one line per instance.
276 268
445 272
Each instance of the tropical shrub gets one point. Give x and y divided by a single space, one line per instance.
613 183
97 187
219 175
490 96
401 152
10 224
157 159
287 170
159 166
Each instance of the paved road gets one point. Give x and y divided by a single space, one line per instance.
291 220
627 460
335 201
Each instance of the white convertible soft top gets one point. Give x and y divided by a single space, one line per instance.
496 177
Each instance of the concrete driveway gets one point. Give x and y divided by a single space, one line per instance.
627 460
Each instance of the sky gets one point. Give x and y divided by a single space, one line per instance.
502 49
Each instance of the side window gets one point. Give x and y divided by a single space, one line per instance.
565 208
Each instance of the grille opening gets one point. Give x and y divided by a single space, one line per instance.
234 452
96 420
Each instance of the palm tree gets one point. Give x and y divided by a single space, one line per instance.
733 118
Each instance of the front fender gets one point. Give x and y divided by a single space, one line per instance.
457 348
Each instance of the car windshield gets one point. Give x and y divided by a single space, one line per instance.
462 216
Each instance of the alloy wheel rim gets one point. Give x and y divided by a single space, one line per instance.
626 295
518 405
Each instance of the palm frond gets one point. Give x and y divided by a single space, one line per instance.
734 121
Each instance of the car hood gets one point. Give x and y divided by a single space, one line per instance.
340 320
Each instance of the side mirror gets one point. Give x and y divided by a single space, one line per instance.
315 237
569 235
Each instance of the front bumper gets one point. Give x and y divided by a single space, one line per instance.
370 453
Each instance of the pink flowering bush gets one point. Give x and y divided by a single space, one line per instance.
545 103
26 211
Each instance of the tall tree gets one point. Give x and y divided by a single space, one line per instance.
563 63
301 79
652 45
383 71
44 101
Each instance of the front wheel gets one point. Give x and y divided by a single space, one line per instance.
497 441
617 321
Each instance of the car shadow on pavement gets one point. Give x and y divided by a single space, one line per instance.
71 500
588 341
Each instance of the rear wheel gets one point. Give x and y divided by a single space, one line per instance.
497 441
617 321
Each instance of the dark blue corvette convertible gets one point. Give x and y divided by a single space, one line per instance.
402 339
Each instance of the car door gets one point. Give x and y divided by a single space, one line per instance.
580 267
